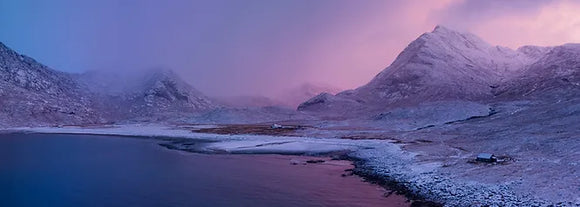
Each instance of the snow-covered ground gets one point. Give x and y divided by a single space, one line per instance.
379 158
447 97
223 143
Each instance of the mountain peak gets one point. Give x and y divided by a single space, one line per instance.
446 35
164 72
442 29
438 66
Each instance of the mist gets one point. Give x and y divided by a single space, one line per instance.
260 47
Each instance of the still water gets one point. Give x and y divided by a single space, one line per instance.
86 170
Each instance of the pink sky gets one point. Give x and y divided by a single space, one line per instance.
382 37
263 47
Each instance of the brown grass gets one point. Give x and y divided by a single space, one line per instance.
251 129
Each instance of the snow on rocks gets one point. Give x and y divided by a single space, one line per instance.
438 66
426 181
430 114
32 94
223 143
377 158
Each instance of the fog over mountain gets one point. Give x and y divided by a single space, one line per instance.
155 93
33 94
262 47
289 98
448 96
441 71
444 69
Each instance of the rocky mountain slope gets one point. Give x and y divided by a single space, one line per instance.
449 97
553 76
157 94
438 66
33 94
457 72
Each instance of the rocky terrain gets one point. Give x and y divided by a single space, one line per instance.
445 76
449 96
33 94
152 95
419 123
554 76
438 66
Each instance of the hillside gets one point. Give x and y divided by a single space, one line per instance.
33 94
446 76
149 95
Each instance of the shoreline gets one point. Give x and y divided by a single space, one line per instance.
236 178
378 161
358 170
173 143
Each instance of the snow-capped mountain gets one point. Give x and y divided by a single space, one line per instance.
152 94
443 65
33 94
555 75
442 70
446 65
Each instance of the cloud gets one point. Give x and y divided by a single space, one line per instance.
517 23
262 47
554 24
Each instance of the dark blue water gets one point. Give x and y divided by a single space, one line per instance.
83 170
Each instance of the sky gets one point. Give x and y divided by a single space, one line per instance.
264 47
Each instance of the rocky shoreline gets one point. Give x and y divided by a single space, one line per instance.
378 161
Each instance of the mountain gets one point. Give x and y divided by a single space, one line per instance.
446 65
289 98
151 94
295 96
553 76
445 76
33 94
441 77
439 66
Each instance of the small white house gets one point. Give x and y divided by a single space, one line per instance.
276 126
486 157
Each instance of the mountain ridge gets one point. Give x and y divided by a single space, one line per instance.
34 94
442 65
